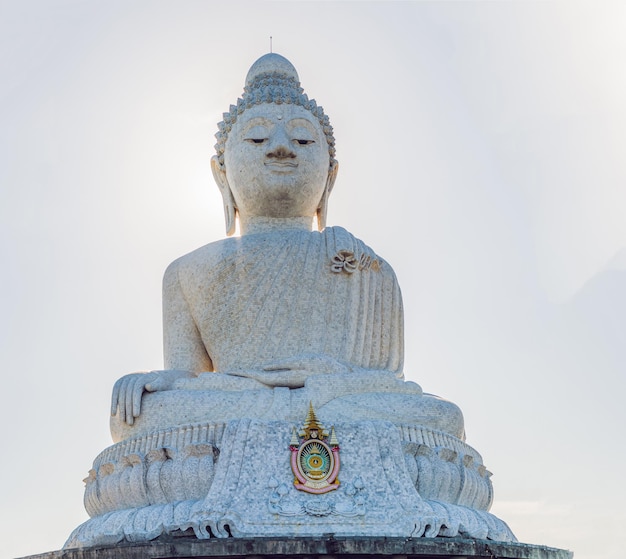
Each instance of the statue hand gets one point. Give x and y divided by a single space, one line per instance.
315 364
128 390
294 371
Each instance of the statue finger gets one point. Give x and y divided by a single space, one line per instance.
137 392
243 374
121 397
282 365
154 382
115 396
128 401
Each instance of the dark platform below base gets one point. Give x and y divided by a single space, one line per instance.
313 548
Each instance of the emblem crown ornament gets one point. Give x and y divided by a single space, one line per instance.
314 456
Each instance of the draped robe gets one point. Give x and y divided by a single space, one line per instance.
241 303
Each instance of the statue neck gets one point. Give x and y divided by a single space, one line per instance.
254 225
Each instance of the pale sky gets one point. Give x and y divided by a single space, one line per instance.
481 149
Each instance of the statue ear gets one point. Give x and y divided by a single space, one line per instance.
230 208
322 209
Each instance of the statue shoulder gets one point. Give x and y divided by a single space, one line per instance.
344 245
199 261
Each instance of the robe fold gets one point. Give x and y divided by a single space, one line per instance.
250 301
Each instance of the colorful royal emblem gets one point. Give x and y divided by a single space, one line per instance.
314 456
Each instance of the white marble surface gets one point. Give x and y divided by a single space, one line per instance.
256 329
246 487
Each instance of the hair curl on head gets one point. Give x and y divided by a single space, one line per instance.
278 88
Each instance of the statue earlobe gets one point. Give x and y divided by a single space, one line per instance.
322 209
230 208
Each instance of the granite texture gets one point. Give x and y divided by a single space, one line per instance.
261 330
235 480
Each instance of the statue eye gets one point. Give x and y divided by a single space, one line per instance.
256 140
305 142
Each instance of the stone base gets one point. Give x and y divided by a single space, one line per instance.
329 547
236 480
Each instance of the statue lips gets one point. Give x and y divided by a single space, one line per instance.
280 166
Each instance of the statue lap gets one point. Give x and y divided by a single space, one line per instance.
172 408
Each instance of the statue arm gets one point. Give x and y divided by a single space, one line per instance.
185 354
182 344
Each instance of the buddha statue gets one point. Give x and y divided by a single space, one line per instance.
261 325
262 330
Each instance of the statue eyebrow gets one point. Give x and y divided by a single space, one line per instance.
299 121
256 121
302 123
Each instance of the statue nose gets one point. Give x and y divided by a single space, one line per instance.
279 146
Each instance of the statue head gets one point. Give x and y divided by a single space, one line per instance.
275 149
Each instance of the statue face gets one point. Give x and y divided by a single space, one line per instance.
277 162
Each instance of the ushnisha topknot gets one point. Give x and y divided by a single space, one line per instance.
272 79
